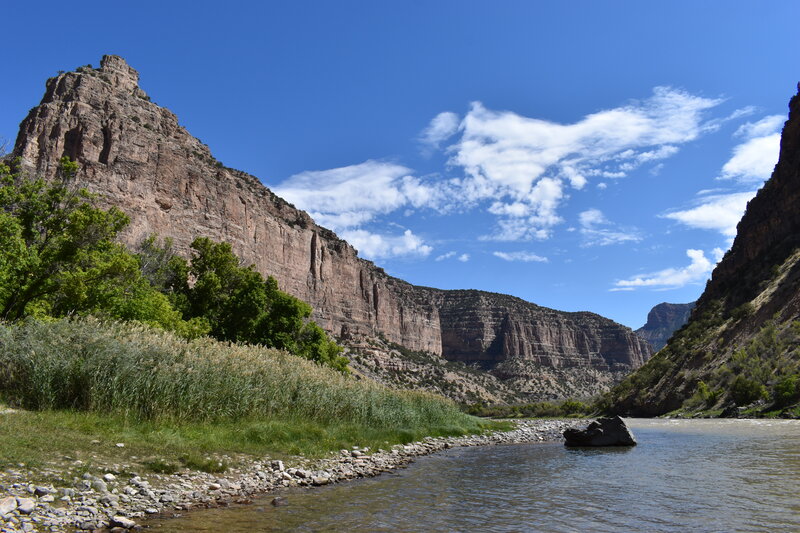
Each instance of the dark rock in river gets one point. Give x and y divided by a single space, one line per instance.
279 501
601 432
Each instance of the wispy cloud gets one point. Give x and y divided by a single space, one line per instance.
350 196
526 257
718 212
597 230
346 198
524 165
447 255
697 271
463 258
442 127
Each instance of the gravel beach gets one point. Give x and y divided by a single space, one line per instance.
118 501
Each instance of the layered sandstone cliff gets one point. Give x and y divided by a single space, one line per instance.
137 157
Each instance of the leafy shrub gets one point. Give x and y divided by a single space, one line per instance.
786 391
745 391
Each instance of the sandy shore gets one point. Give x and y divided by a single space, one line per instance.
118 502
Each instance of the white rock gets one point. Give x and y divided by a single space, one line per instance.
25 505
7 505
122 521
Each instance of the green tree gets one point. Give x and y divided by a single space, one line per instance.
58 256
241 306
56 245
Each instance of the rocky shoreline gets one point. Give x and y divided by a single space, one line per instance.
117 503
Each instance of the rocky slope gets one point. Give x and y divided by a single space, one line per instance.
137 156
662 321
740 347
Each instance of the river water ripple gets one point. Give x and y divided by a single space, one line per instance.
685 475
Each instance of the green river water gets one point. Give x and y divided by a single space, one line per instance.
685 475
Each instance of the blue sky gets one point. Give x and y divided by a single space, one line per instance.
581 155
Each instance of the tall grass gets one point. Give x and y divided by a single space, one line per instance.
148 375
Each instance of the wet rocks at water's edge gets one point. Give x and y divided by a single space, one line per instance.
116 503
602 432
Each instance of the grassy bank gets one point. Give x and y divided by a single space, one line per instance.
82 386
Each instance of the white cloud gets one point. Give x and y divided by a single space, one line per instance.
719 212
755 158
442 127
347 197
766 126
376 246
526 257
449 255
672 278
592 217
597 230
523 165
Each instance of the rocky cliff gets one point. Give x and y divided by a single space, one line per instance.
662 321
739 349
137 156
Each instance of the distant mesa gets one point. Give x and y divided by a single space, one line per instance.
662 321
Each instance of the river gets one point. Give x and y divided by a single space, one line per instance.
685 475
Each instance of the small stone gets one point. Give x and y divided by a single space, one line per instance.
214 486
99 485
122 521
41 491
25 505
109 477
279 501
7 505
120 445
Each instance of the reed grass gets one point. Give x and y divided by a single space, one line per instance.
141 374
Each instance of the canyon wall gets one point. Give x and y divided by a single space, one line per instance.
743 335
137 157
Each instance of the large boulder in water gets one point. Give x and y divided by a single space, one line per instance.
601 432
